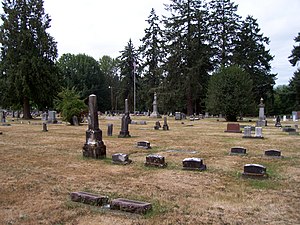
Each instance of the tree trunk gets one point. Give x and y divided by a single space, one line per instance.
26 109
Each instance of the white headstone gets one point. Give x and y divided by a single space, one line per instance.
258 132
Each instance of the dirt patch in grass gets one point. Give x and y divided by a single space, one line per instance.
38 171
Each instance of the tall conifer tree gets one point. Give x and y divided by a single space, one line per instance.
28 54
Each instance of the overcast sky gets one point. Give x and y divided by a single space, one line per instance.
100 27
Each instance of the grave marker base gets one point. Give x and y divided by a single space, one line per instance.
88 198
130 205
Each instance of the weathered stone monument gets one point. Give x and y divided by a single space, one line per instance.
273 153
155 160
94 146
75 121
238 151
110 129
258 132
278 124
261 117
157 125
193 164
130 205
125 122
143 144
247 132
255 170
52 117
121 158
165 126
45 127
89 198
233 128
155 113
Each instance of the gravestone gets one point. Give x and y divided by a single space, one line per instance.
45 127
238 150
247 132
143 144
206 115
130 205
258 132
124 133
75 121
89 198
52 117
295 116
44 116
110 129
288 129
157 125
278 124
233 128
254 170
261 117
193 164
155 113
178 116
165 126
120 158
3 116
94 146
284 118
155 160
273 153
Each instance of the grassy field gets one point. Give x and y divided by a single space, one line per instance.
39 170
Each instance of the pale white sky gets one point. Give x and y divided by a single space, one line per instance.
102 27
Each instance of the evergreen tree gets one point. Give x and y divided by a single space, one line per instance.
83 73
250 53
295 81
28 55
224 26
188 61
152 55
283 100
230 93
128 61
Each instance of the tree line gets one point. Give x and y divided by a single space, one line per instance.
201 56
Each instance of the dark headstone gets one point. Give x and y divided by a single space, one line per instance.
45 127
126 120
75 121
89 198
238 150
193 164
94 146
157 125
278 124
255 170
272 152
130 205
165 126
233 128
110 129
120 158
288 129
155 160
143 144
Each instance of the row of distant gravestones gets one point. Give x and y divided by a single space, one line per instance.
155 160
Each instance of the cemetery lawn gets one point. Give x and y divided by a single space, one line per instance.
39 170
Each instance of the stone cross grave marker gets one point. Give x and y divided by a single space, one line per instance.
94 146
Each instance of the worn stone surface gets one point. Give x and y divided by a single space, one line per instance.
155 160
273 152
157 125
155 113
193 164
238 150
278 123
130 205
121 158
165 126
125 121
143 144
52 117
94 146
45 127
75 121
258 132
233 128
88 198
255 170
